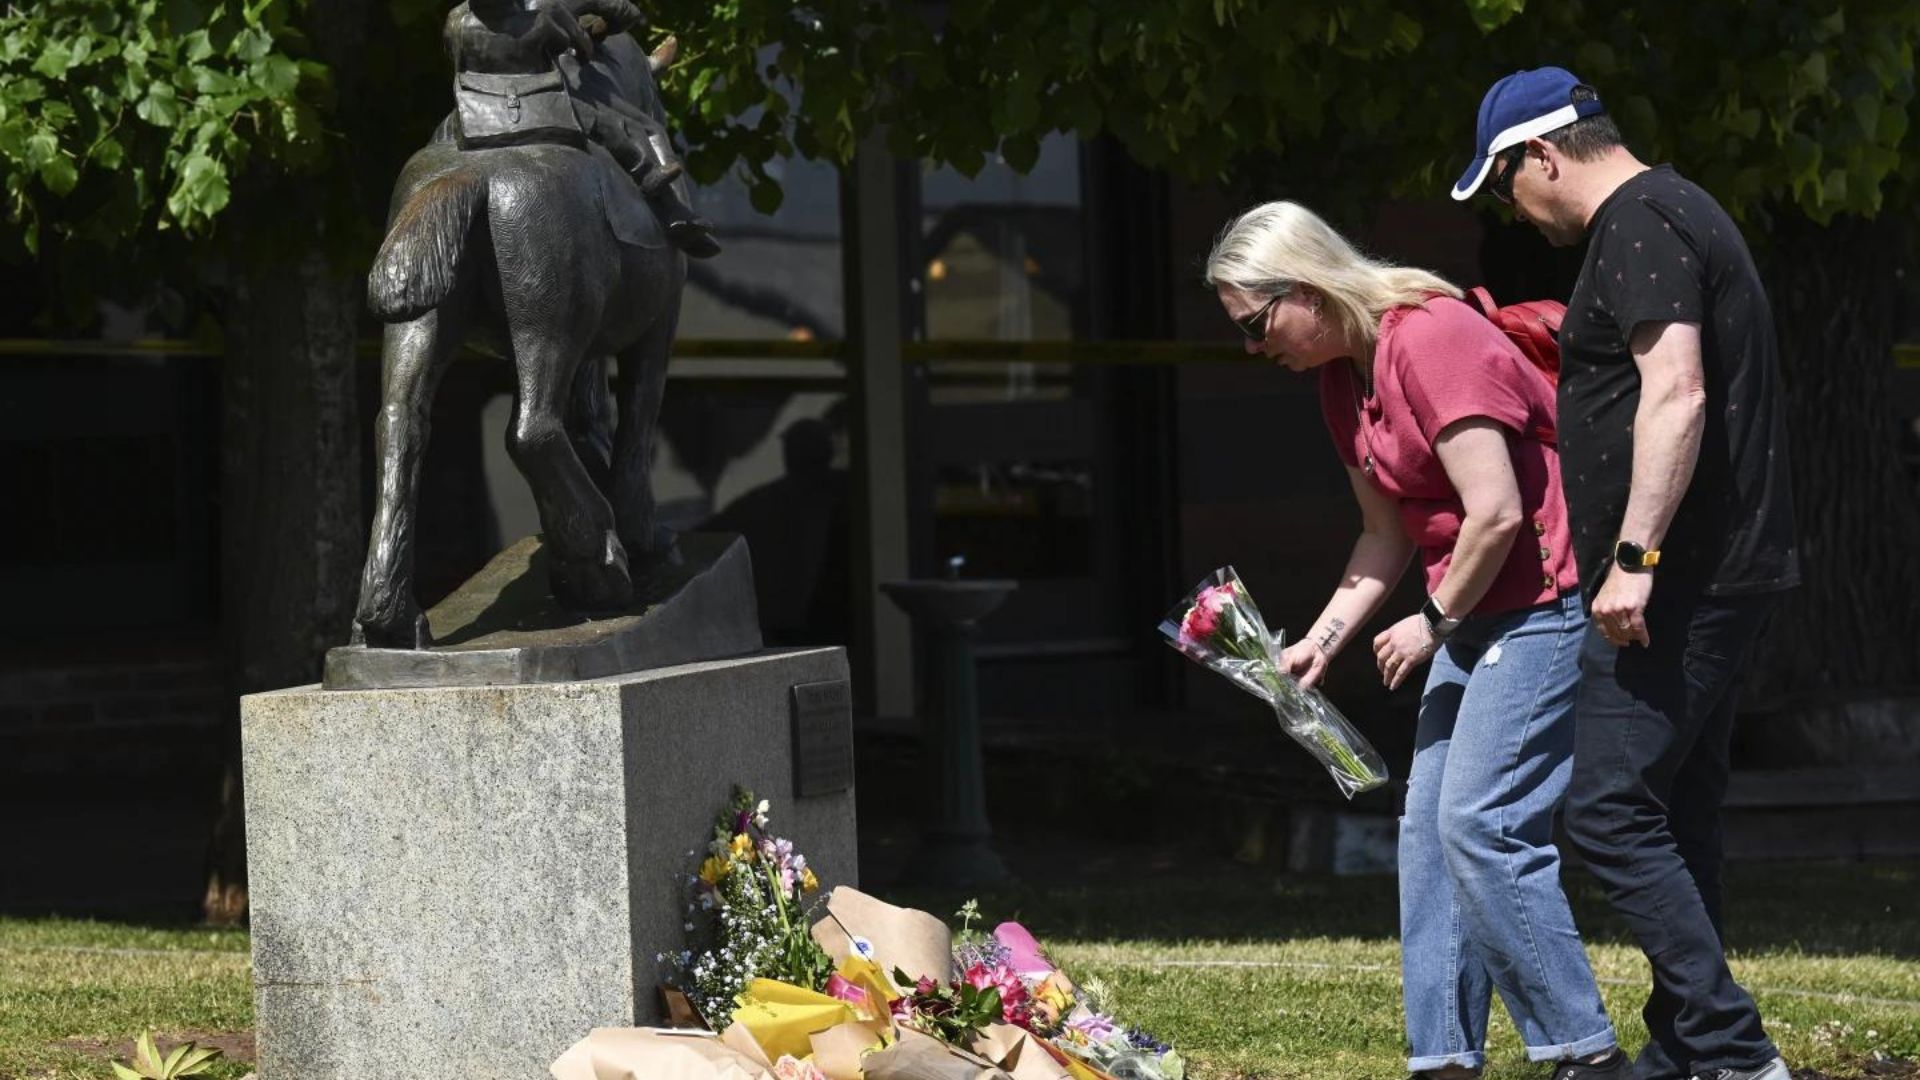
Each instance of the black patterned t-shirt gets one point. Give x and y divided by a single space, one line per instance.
1660 249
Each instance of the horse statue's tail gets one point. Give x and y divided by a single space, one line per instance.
419 262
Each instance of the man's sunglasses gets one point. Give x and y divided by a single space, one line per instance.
1255 325
1505 167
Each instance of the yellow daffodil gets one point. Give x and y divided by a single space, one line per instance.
808 883
742 847
713 870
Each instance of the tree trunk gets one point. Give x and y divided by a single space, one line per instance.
292 528
1852 630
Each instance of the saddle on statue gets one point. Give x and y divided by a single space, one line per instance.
514 110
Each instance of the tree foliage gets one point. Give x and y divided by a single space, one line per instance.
119 118
1765 102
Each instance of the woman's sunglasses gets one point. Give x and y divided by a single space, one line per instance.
1255 325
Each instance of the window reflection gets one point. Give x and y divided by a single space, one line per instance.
779 274
1003 251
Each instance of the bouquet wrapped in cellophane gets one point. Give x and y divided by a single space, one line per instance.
1218 627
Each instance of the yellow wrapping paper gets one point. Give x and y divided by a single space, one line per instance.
740 1040
783 1017
866 975
654 1054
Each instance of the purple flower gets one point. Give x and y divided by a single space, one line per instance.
1097 1027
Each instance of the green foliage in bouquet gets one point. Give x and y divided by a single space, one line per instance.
753 902
187 1059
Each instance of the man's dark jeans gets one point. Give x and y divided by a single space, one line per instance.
1652 727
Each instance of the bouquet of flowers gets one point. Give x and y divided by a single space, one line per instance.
779 999
1218 627
1075 1021
749 915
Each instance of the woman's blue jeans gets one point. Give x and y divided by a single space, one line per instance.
1481 906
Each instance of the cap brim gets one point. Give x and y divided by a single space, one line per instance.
1471 180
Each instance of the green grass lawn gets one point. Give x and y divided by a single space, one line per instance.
68 982
1251 975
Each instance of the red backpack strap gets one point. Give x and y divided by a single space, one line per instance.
1534 328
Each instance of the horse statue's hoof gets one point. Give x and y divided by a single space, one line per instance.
374 636
652 545
602 584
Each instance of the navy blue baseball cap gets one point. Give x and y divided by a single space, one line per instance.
1524 105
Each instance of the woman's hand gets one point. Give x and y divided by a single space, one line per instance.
1401 648
1304 661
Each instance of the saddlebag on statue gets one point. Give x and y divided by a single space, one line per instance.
514 110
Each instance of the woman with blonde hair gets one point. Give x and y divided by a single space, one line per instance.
1446 430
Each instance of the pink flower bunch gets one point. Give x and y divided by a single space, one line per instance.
955 1013
1015 1001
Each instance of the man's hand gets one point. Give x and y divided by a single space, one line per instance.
1304 661
1401 648
1620 609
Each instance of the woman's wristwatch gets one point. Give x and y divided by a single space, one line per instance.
1437 622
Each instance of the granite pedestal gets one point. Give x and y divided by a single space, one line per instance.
463 881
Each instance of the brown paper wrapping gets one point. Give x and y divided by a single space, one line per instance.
656 1054
1018 1053
913 941
837 1050
923 1057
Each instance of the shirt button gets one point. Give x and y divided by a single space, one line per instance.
1539 528
1545 554
1546 581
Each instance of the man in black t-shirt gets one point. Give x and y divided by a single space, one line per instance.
1674 460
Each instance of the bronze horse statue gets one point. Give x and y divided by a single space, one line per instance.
548 256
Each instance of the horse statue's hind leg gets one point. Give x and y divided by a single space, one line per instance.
641 385
590 423
550 343
413 357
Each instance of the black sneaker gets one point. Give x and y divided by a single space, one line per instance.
1772 1070
1615 1066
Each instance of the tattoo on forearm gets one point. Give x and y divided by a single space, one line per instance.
1332 636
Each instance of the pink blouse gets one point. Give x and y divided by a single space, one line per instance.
1435 365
